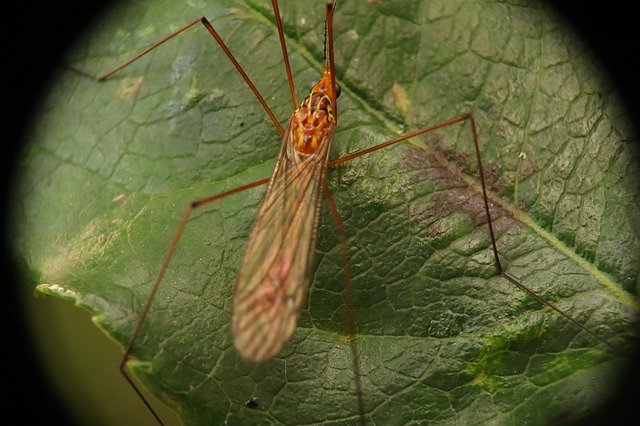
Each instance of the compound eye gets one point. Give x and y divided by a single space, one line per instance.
313 84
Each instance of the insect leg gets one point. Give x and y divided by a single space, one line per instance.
205 22
464 118
159 277
352 326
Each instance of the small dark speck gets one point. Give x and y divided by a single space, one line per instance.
242 124
252 403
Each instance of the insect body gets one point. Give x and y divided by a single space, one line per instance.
274 273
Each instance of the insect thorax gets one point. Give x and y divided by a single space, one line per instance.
311 122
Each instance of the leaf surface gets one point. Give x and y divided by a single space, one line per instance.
442 337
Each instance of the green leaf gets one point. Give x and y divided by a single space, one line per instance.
442 337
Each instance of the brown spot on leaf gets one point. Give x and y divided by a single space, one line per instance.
491 173
434 142
465 162
129 87
403 104
452 193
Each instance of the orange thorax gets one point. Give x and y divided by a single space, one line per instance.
314 117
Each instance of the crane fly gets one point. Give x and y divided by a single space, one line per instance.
274 273
273 278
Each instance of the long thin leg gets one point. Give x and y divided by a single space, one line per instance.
348 292
285 55
163 269
195 204
198 203
205 22
500 271
352 326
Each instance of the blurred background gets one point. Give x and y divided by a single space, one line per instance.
35 37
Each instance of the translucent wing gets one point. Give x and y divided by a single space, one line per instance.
273 277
